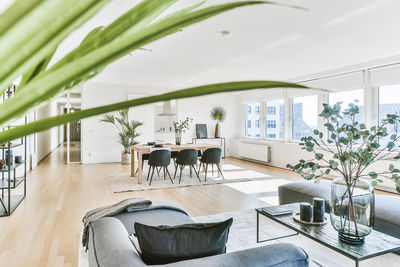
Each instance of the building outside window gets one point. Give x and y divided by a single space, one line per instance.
275 120
271 124
257 109
389 103
304 116
271 110
253 127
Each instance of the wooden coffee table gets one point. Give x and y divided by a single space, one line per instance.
376 243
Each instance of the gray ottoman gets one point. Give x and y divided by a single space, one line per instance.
304 192
387 208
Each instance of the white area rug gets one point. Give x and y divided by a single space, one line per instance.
243 235
122 182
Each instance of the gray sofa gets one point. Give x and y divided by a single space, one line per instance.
387 208
109 244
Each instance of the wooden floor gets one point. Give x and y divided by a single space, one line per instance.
44 230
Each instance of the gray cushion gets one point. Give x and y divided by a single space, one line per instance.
166 244
153 217
304 192
275 255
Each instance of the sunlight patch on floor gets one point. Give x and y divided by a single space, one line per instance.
255 187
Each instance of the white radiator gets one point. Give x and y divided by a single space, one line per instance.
254 152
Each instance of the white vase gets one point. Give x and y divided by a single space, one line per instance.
126 159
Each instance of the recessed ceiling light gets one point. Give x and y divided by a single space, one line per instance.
225 33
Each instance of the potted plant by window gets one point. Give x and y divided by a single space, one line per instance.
348 150
127 132
218 114
181 126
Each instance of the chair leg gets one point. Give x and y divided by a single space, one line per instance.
176 169
212 169
164 173
205 174
220 171
169 175
180 174
190 170
137 170
152 173
148 174
158 171
197 174
199 168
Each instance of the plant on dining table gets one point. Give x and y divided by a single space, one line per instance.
180 126
349 149
183 124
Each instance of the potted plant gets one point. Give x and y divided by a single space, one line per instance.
181 126
218 114
127 132
348 150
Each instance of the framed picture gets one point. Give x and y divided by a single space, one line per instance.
201 130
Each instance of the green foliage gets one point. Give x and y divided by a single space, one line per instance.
218 113
351 146
127 130
31 31
182 125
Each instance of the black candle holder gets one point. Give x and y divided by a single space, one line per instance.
319 209
306 212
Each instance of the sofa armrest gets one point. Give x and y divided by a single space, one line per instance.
277 255
109 244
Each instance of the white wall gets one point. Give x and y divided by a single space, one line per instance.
48 140
99 140
199 108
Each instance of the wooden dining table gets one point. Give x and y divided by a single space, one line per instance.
141 149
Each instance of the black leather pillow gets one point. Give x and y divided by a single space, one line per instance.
166 244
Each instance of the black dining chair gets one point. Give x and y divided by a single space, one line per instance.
159 158
211 156
186 157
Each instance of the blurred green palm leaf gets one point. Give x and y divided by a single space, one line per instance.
31 31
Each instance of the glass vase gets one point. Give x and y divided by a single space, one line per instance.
178 136
352 209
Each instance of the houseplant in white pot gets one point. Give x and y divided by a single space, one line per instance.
127 132
218 114
348 150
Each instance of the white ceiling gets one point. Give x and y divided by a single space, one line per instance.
266 42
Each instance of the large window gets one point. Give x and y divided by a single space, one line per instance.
253 120
389 103
275 120
347 97
304 116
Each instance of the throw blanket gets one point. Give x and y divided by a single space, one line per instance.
127 205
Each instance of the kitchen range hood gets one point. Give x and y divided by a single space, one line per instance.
167 109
